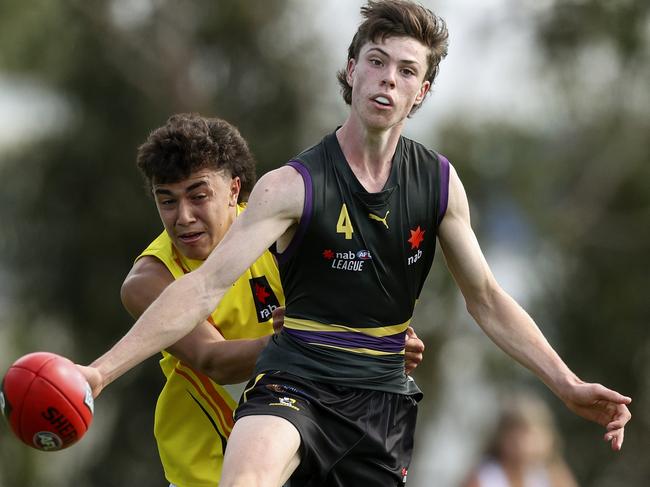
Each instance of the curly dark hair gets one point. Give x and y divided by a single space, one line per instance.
398 18
189 142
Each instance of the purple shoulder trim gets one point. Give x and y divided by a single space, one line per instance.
306 213
444 187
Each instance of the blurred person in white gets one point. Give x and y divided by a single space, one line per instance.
524 450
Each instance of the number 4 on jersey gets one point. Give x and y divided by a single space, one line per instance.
344 225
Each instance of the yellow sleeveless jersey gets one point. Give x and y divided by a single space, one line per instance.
194 415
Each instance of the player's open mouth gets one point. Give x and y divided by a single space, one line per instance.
190 237
382 100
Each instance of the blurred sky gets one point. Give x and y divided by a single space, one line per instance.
480 75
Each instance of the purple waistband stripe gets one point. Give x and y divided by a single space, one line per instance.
389 344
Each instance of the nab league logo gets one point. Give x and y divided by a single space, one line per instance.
264 298
347 261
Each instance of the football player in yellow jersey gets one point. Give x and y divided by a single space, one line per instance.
200 171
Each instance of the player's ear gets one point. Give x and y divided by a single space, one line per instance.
349 71
424 89
235 188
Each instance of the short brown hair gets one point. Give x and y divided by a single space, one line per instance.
398 18
189 142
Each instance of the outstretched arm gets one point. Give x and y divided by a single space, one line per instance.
204 348
275 205
513 330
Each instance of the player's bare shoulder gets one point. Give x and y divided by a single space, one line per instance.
280 192
144 282
458 206
146 271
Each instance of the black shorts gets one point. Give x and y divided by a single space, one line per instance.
349 436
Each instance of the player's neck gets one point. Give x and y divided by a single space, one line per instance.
368 152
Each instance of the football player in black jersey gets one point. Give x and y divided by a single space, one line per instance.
330 404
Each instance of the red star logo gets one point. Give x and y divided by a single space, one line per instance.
417 236
261 294
328 254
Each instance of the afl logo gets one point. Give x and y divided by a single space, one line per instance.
364 255
46 440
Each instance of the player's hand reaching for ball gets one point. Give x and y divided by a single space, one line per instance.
600 405
413 349
94 378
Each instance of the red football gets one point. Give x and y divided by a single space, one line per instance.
47 401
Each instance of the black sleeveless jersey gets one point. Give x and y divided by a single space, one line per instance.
356 266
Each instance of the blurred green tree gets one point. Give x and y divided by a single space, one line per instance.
72 205
581 178
601 216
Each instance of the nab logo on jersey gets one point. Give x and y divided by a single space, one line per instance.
416 238
265 299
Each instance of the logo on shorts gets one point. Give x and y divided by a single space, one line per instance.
286 389
288 402
276 388
46 440
2 402
404 475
